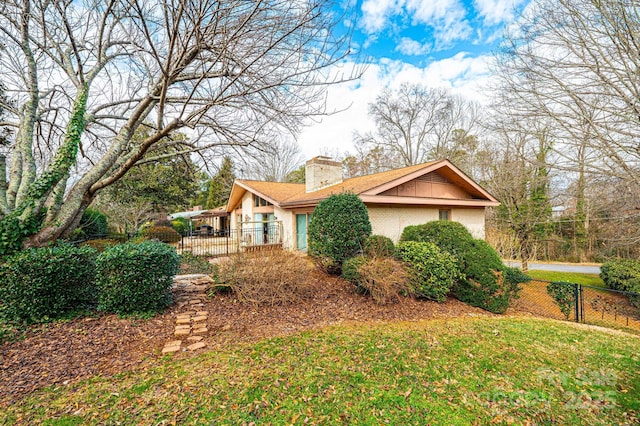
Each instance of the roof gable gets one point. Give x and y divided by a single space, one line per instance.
438 182
430 185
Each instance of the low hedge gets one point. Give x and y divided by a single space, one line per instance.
621 274
433 271
136 278
42 284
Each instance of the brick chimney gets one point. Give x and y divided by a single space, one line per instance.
321 172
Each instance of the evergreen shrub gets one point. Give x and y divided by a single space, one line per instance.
621 274
433 271
42 284
351 267
452 237
338 229
136 278
487 283
563 294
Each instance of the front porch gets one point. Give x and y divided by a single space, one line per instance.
252 236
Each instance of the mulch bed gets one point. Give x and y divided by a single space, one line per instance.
66 352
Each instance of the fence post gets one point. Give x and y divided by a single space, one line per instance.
576 296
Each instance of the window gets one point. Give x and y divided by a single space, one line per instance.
444 214
260 202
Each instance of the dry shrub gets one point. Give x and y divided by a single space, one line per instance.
385 279
267 277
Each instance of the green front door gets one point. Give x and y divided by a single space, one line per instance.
301 232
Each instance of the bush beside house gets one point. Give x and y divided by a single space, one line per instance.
486 283
269 277
338 230
433 271
384 278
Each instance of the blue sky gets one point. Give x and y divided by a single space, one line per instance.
439 43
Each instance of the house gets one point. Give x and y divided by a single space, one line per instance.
275 212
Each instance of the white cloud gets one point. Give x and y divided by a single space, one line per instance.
408 46
447 18
377 12
496 11
463 74
426 12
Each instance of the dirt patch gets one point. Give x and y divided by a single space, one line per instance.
66 352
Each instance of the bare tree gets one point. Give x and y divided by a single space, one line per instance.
418 123
273 161
521 182
369 159
84 76
574 63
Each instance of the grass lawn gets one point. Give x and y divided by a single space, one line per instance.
572 277
460 371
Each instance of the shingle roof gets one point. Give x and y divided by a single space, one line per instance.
277 192
360 184
295 193
292 192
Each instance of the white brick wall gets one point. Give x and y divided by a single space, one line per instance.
390 221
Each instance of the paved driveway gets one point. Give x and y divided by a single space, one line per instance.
560 267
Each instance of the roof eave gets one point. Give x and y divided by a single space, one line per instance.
388 199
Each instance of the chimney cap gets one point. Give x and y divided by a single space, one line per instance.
322 159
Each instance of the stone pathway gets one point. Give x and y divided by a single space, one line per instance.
191 319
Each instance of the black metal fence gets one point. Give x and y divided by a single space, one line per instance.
581 303
212 244
232 240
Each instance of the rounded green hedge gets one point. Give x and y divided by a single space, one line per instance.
452 237
136 278
433 271
621 274
487 283
42 284
338 229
